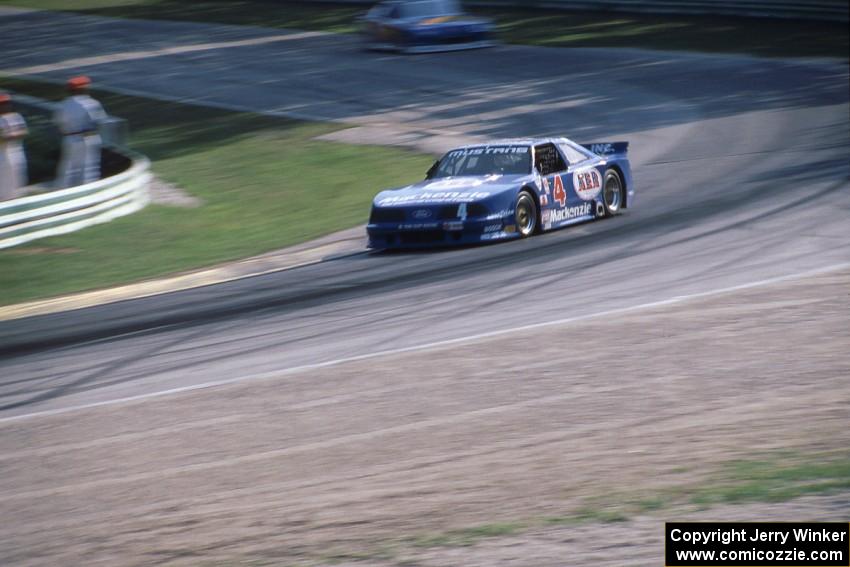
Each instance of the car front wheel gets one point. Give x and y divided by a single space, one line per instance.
525 214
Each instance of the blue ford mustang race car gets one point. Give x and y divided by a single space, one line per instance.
503 190
418 26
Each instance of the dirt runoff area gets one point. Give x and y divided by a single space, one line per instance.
568 445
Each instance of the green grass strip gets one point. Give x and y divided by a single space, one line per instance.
775 477
773 480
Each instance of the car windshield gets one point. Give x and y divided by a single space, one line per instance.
487 160
429 8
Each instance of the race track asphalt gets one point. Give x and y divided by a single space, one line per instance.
740 163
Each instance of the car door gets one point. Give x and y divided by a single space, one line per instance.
560 204
586 173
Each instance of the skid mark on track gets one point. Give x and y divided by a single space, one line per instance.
426 346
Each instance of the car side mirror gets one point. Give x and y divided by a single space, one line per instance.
432 170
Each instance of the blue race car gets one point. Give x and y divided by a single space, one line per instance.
504 190
419 26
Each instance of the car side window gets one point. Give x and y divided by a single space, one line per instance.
573 155
548 160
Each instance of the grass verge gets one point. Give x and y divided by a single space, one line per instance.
773 477
469 536
265 183
778 477
765 37
773 481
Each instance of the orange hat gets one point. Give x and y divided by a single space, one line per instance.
80 82
5 97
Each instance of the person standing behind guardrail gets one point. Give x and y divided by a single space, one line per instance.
78 118
13 160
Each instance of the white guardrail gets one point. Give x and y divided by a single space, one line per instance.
66 210
826 10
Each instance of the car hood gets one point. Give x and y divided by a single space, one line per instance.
451 190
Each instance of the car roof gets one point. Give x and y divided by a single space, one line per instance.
514 142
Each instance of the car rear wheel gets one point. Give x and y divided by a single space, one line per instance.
612 193
525 214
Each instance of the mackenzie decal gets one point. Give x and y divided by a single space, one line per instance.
559 215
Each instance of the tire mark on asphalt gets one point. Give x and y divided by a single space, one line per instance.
438 344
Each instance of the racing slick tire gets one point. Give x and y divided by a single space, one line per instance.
613 193
525 214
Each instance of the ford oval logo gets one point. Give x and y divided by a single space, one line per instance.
422 214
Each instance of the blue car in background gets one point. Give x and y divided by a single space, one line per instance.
504 190
423 26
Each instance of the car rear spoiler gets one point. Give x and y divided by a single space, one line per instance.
607 148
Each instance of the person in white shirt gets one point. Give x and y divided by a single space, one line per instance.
77 118
13 161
